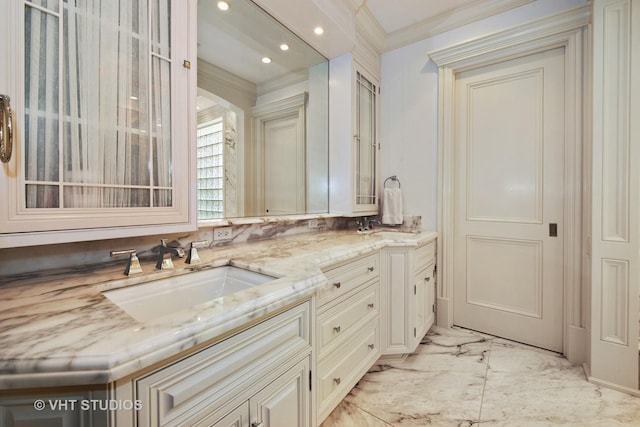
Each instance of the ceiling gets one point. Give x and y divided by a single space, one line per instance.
406 21
237 39
398 14
242 34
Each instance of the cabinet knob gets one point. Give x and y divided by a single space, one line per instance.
371 346
336 328
337 285
257 424
371 305
427 279
336 380
370 268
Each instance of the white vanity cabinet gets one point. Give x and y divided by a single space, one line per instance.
408 297
102 114
354 138
260 376
347 329
424 291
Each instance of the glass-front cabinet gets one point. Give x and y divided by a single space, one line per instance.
366 141
354 141
100 136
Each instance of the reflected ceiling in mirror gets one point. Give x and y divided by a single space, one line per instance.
262 125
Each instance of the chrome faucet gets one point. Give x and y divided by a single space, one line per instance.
362 224
371 222
164 255
365 223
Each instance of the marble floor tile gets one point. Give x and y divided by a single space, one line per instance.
458 377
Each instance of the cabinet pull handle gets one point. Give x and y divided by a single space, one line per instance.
337 381
337 285
371 346
6 129
370 268
371 305
336 328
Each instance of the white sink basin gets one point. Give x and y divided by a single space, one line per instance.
155 299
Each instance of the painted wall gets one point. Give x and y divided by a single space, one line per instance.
409 105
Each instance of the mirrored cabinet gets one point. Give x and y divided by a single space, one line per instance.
355 144
100 119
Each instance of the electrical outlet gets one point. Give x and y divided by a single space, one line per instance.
313 223
222 233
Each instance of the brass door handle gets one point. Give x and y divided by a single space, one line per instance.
6 129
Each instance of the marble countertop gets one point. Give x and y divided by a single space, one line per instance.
57 328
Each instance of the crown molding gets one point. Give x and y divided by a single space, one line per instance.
282 82
214 73
462 15
369 29
530 34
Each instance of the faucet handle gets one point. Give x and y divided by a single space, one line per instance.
193 257
133 265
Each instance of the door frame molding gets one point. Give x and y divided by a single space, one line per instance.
568 29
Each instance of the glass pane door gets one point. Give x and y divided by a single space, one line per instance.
365 141
97 104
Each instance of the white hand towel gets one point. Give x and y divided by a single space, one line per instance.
392 206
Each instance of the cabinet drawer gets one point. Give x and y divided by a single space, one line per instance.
423 256
338 374
427 275
203 382
349 276
341 320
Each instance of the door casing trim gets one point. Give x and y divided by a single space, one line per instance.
570 30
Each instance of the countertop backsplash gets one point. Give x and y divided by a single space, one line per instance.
19 263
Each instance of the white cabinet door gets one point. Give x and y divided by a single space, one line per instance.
354 138
420 308
397 299
70 409
284 402
424 309
408 297
239 417
102 134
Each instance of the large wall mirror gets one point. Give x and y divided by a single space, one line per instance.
262 111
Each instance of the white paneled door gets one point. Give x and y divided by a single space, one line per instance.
284 166
509 197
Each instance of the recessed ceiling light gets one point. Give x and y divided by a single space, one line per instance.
318 30
223 5
284 46
266 60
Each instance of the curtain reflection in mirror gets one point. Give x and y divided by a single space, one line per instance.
98 105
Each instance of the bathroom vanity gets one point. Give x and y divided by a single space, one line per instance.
281 352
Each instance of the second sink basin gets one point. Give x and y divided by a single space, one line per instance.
159 298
